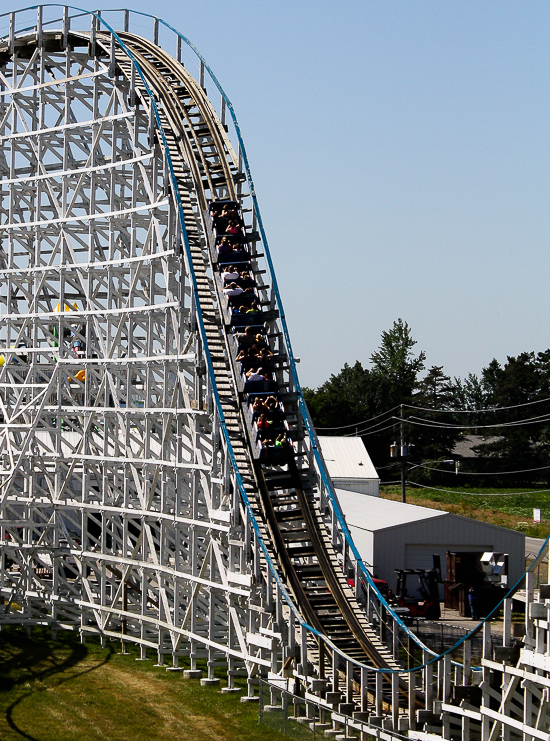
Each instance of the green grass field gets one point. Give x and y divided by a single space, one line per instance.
505 507
64 691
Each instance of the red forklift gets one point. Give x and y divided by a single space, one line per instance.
418 589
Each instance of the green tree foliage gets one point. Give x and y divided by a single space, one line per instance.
524 437
346 398
469 395
435 390
435 397
435 406
395 367
357 393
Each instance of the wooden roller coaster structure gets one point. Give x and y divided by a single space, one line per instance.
135 504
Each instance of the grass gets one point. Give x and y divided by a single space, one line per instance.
504 507
64 691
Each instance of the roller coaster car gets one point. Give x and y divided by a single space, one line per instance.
425 606
271 455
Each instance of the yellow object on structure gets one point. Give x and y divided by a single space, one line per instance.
80 376
2 360
66 307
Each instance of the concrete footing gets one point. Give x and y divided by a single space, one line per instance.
192 673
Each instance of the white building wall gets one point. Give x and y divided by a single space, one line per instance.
362 486
364 543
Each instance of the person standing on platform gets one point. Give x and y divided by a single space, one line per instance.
473 599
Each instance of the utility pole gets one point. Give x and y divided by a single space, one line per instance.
401 451
403 484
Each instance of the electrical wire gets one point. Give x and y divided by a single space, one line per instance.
479 493
366 434
486 410
364 421
419 422
474 473
365 430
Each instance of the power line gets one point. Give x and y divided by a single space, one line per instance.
361 422
373 427
475 473
366 434
487 410
479 493
419 422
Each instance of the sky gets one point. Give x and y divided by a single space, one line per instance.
400 152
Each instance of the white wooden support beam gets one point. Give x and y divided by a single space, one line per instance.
446 678
411 705
257 562
303 650
467 663
66 26
349 681
395 639
379 694
395 700
428 679
93 31
112 57
507 623
335 670
12 33
39 30
291 634
529 595
485 685
364 689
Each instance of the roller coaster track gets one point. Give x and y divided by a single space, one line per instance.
290 519
137 500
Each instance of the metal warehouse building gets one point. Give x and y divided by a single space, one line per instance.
391 535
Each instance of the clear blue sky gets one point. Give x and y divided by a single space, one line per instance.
400 152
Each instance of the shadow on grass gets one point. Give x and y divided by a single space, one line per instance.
34 660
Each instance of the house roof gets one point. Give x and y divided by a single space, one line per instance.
464 446
347 458
374 513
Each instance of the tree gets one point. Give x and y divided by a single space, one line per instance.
435 394
395 366
357 394
342 400
523 440
435 390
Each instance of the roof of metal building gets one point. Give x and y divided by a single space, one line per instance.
374 513
347 458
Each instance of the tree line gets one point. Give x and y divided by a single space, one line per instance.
504 413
